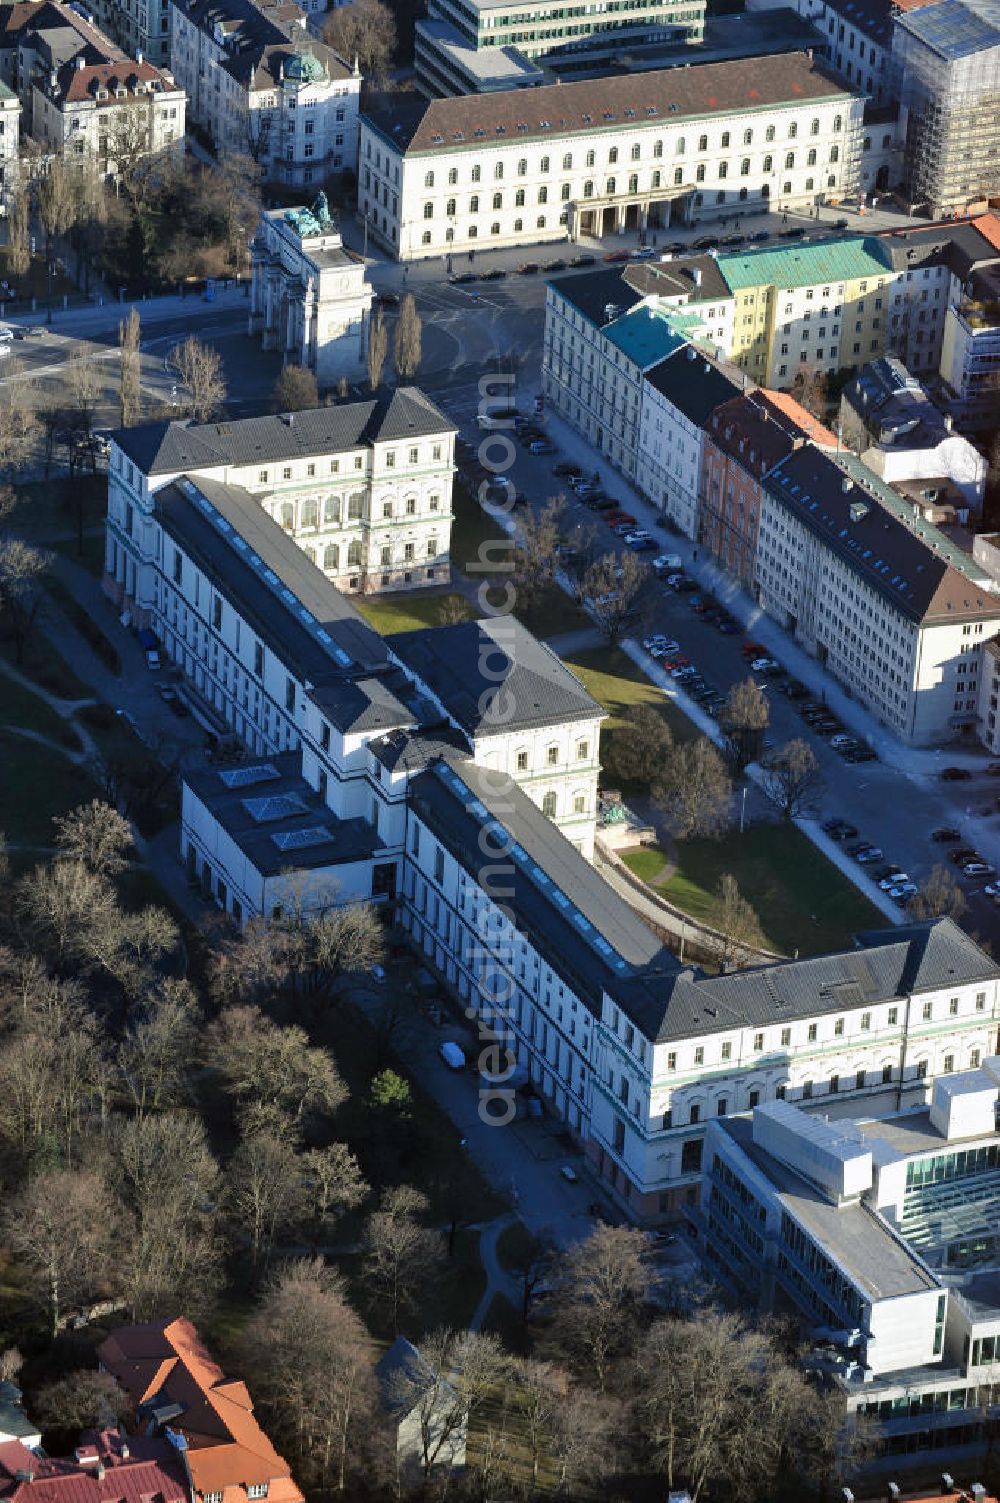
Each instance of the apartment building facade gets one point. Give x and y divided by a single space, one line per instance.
743 441
678 398
258 82
10 141
80 94
364 489
840 566
604 155
309 297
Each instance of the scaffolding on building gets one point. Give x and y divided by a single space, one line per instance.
948 59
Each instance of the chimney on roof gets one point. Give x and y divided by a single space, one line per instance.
288 418
24 1474
696 275
979 1492
100 1471
846 484
138 58
81 62
947 1482
123 1446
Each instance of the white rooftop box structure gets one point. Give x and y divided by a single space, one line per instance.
964 1105
832 1155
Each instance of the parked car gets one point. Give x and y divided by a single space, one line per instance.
869 854
583 261
618 255
557 265
955 774
153 661
842 739
761 665
705 243
945 835
541 446
840 829
894 879
667 563
527 268
462 278
978 869
903 892
496 275
967 853
860 753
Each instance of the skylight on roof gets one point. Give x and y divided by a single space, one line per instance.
300 840
280 806
246 777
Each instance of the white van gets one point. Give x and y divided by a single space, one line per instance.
453 1055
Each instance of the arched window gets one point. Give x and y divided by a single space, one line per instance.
579 803
356 506
768 164
564 192
474 204
613 156
814 128
518 226
725 140
288 516
428 210
310 554
354 554
838 122
680 147
702 143
610 187
793 130
700 173
657 178
748 138
549 805
678 176
745 167
518 199
449 207
789 159
522 167
811 157
591 159
765 191
473 231
453 176
498 170
476 174
657 149
636 152
543 195
723 169
633 182
331 510
428 179
540 222
588 189
769 133
498 200
720 197
310 514
567 161
495 227
331 558
543 165
810 184
834 153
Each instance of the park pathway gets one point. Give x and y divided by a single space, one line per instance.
498 1280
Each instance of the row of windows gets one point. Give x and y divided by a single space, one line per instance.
635 152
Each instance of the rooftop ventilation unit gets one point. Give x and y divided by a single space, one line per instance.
859 510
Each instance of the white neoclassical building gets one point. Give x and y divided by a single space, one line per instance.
439 773
258 82
363 488
309 297
604 155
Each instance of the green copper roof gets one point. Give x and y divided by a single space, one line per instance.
644 335
805 265
305 67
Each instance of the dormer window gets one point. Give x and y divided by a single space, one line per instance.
257 1490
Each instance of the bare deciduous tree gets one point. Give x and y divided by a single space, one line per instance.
314 1378
618 592
63 1248
160 1048
97 835
695 791
458 1372
263 1064
365 30
407 340
378 335
199 370
939 897
737 922
743 717
129 388
265 1191
336 1183
400 1253
56 202
605 1281
19 233
792 778
535 556
295 390
22 569
534 1263
82 1400
18 422
639 748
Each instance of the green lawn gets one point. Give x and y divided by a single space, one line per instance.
37 785
409 612
617 682
803 902
85 624
472 530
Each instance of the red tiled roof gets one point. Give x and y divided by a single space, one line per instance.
811 427
226 1447
82 83
143 1470
988 226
